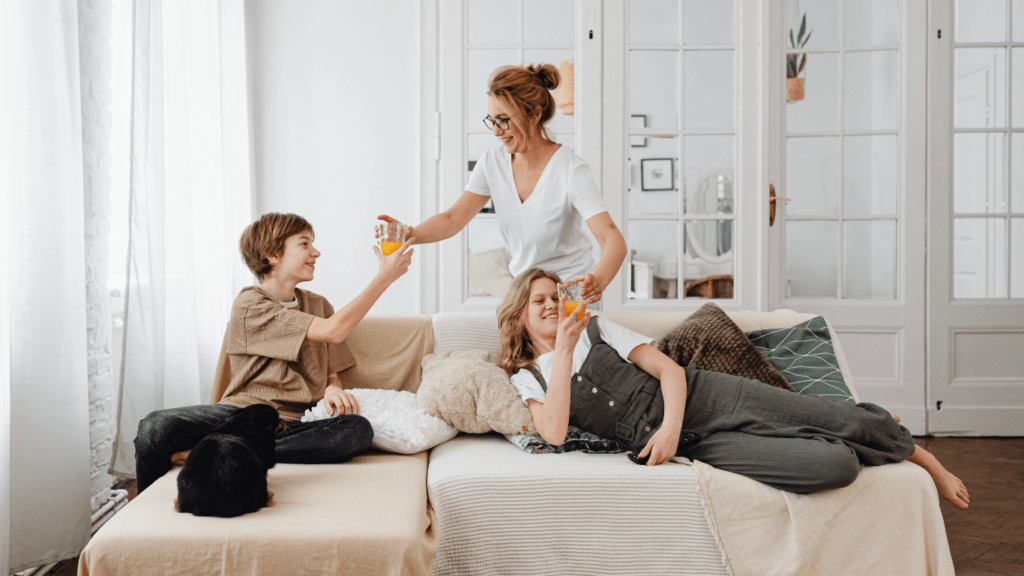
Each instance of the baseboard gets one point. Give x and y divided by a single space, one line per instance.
976 421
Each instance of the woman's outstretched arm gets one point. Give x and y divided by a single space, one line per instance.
613 252
448 223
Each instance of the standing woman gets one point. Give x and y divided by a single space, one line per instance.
542 191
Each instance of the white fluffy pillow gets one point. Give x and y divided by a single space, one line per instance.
398 423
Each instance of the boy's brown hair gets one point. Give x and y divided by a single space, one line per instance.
265 238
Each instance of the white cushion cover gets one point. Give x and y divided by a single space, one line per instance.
398 423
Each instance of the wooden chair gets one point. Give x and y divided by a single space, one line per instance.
718 286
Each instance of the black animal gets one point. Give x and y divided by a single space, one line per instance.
226 473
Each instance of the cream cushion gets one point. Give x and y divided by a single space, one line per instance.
472 394
366 516
388 350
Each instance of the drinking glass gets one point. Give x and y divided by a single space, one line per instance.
569 296
391 236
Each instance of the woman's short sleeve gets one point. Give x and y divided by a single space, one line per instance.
478 179
583 192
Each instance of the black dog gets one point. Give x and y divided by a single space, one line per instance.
226 473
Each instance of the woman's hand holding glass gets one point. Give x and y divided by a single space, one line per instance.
591 288
390 220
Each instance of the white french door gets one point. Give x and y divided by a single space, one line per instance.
976 217
850 157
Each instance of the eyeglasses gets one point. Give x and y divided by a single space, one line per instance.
499 122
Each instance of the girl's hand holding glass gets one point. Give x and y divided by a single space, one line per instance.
572 317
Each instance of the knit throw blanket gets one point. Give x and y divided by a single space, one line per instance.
710 340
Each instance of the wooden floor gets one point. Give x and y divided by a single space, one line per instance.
988 538
985 540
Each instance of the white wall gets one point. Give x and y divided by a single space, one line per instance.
95 51
336 116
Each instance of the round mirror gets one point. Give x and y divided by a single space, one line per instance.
711 240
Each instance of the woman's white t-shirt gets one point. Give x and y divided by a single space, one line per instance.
546 231
623 340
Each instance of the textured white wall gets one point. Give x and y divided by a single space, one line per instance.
336 113
94 28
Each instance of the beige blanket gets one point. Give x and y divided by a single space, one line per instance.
367 516
887 522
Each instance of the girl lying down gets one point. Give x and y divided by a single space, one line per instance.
602 377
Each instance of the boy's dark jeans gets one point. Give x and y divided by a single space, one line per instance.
164 432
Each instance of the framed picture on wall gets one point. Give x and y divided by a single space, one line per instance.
657 174
637 121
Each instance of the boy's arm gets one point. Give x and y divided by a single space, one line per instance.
335 329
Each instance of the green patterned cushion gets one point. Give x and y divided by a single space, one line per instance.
804 355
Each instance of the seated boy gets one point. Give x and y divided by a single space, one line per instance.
284 347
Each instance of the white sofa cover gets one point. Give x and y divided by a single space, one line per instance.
502 511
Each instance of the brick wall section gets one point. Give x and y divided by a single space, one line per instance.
94 29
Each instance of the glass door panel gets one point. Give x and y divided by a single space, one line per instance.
681 94
842 149
987 110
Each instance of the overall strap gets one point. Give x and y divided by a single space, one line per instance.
539 377
594 333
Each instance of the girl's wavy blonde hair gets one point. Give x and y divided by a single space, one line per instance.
516 347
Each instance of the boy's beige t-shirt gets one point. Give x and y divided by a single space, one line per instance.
268 357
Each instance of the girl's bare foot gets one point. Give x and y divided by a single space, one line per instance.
953 489
950 487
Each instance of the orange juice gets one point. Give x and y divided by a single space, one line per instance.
389 247
572 305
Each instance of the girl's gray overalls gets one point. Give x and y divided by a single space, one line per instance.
784 439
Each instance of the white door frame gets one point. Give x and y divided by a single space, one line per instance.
865 326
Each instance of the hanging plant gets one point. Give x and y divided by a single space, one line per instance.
795 63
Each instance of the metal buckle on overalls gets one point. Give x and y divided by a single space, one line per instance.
625 433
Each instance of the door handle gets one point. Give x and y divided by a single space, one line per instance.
771 204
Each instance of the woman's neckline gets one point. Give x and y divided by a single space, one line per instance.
543 174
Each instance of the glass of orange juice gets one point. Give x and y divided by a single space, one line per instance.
391 236
569 296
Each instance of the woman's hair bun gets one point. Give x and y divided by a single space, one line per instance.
547 74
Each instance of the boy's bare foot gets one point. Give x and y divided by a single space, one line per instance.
179 458
953 489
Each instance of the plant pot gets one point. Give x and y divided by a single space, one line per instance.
794 89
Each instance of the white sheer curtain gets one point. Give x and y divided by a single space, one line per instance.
44 409
190 199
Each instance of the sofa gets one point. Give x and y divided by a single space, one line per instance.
479 505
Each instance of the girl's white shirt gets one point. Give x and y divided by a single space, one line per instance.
623 340
546 231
